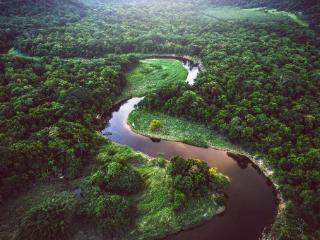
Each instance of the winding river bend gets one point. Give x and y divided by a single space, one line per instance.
252 202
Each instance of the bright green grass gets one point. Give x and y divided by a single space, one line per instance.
294 17
156 217
233 13
152 74
255 14
178 129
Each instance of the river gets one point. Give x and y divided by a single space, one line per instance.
252 201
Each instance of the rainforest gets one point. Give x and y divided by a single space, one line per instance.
158 119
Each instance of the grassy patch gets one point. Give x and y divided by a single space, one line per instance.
294 17
156 216
238 14
152 74
177 129
253 14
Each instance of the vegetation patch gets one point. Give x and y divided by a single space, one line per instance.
146 198
49 220
260 88
13 210
163 208
253 14
177 129
152 74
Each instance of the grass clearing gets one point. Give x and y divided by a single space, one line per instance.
253 14
178 129
294 17
156 217
152 74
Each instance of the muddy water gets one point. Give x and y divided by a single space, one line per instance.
252 203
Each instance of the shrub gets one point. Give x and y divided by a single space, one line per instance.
116 178
155 125
177 165
220 199
217 179
194 177
184 184
117 153
105 196
114 213
121 179
49 220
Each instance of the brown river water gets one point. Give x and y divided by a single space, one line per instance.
252 201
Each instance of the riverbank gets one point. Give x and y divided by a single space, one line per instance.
177 129
249 188
192 133
156 215
151 206
155 211
196 134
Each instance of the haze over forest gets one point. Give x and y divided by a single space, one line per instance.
136 119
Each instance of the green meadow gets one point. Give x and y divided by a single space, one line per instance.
152 74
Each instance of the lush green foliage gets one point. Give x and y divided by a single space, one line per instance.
152 74
260 87
178 129
105 193
50 220
287 145
48 114
117 208
265 99
23 17
113 213
117 178
159 208
194 177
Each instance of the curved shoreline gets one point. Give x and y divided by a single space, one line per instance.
118 130
258 164
121 132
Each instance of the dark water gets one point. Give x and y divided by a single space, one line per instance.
251 205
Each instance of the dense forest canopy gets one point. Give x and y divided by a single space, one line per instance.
67 61
56 8
17 17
